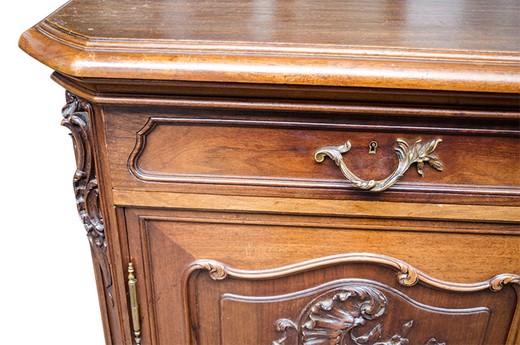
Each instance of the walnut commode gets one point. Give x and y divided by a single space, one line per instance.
295 172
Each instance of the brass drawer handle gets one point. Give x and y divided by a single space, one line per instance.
407 155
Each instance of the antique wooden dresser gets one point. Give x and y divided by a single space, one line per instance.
295 171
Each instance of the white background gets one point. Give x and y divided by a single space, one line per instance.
47 286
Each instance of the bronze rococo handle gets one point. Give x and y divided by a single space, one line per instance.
407 155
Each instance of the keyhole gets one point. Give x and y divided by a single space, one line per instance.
372 147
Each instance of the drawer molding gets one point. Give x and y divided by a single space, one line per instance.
163 151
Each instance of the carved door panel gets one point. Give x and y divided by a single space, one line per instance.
289 306
221 278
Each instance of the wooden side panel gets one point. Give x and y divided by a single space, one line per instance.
80 118
230 278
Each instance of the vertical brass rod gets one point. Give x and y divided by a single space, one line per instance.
134 305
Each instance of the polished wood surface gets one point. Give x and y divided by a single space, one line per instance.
195 125
443 45
438 24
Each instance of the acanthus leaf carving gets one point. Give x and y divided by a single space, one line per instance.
76 117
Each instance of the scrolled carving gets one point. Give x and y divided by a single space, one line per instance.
499 281
282 325
76 117
216 270
407 276
332 318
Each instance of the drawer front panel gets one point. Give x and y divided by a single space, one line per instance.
237 276
172 151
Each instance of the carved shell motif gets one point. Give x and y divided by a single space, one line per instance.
332 318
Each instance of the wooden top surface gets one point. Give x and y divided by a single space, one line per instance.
465 45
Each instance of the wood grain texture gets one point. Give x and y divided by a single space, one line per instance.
312 206
420 45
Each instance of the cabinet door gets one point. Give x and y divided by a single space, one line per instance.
235 278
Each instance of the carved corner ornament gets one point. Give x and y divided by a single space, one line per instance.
77 118
418 152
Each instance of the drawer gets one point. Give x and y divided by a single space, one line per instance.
265 278
181 150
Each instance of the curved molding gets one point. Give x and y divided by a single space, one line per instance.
339 306
140 144
406 274
137 158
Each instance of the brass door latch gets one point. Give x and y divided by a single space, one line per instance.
134 305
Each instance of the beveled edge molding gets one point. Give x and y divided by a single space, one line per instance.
407 275
77 115
82 41
151 176
71 53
